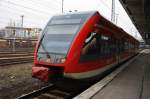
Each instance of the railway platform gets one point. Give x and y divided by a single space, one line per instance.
130 81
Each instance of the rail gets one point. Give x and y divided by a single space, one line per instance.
15 54
61 88
48 92
15 60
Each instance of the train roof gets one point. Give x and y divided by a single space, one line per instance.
88 14
71 18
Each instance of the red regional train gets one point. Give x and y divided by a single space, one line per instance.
80 45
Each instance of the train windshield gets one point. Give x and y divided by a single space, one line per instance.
60 32
57 38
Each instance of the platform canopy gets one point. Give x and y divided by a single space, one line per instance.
139 12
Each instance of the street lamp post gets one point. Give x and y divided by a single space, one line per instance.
22 16
62 6
14 40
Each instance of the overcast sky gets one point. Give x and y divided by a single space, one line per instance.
38 12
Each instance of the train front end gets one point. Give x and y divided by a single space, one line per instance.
50 57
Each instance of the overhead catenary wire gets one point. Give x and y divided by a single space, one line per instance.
17 12
54 2
16 16
29 8
41 4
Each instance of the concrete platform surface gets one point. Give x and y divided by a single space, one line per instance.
132 83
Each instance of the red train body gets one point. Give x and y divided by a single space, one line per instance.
80 46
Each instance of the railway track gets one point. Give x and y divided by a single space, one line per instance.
56 91
3 55
15 60
48 92
5 50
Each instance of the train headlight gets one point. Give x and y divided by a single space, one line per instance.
48 60
60 59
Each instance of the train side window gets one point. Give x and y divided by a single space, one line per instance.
113 46
91 47
105 46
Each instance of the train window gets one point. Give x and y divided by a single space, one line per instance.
62 29
57 38
104 37
91 48
66 21
69 19
97 46
105 46
112 47
122 45
126 46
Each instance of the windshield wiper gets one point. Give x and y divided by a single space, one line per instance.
48 55
43 46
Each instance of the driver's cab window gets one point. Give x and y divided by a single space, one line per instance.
91 47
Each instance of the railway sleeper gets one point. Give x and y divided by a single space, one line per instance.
14 55
9 62
15 60
60 92
51 96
